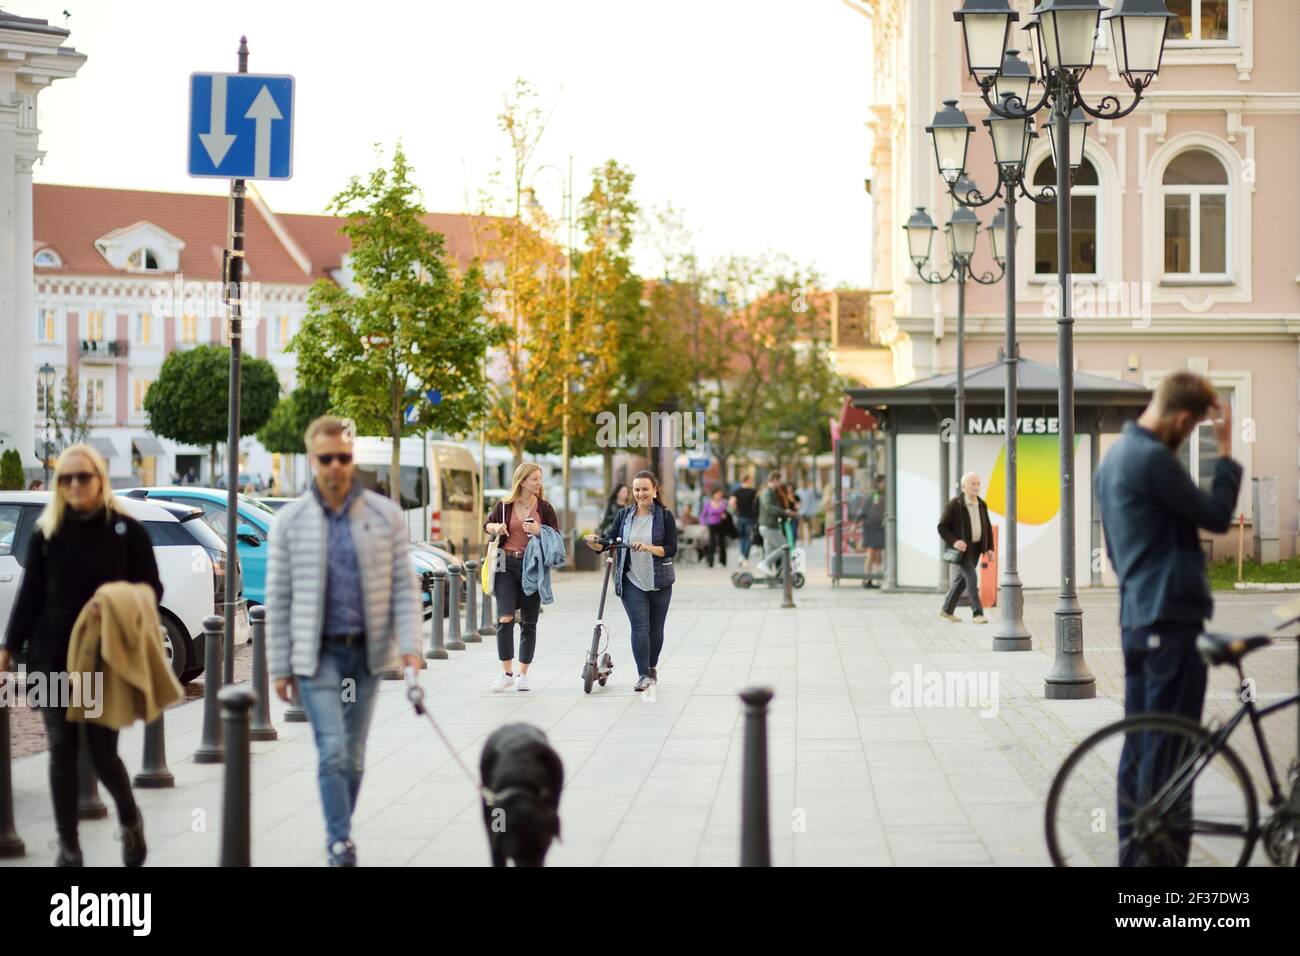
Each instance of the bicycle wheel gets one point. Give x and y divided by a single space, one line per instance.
1196 805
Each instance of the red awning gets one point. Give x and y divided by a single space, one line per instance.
854 419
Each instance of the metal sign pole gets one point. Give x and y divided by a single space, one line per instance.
234 301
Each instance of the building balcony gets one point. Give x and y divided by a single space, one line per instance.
106 351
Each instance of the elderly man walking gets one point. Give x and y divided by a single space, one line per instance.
341 601
965 526
1151 510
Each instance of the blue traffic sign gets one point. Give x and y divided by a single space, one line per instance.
241 126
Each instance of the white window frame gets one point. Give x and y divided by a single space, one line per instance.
1242 451
44 315
99 384
1234 15
137 326
1195 192
102 317
55 261
1098 230
137 400
180 330
144 252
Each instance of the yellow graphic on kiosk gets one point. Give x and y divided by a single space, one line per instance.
1038 479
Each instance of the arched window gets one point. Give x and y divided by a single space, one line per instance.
143 260
1085 195
1195 196
47 259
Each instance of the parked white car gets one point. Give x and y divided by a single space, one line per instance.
191 564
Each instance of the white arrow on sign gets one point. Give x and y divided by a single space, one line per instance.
216 140
263 111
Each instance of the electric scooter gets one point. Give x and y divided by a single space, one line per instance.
596 669
769 570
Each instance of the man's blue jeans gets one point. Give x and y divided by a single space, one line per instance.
1162 673
646 612
745 526
339 701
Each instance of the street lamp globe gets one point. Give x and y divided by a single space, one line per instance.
1079 124
45 376
1010 138
1015 77
920 230
997 231
961 232
950 131
985 29
1067 32
1137 30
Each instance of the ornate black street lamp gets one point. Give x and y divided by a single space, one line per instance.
1063 36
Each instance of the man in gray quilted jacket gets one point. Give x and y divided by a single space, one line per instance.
341 602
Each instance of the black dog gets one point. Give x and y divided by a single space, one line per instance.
524 775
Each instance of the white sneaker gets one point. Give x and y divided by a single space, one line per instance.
948 617
521 682
979 619
502 682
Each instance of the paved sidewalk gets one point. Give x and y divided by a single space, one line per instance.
654 780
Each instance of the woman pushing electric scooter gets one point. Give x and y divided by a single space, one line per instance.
643 571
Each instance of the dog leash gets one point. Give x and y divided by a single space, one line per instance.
415 694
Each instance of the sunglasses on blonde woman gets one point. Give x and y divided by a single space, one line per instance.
79 477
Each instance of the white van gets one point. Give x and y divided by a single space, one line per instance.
445 468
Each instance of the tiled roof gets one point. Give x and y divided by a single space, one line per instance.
69 219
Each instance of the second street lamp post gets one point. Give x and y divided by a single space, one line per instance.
1063 34
45 374
960 234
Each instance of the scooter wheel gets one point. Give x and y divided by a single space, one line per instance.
798 579
744 579
588 678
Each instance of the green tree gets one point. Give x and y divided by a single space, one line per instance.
412 325
526 292
284 430
11 471
189 403
68 420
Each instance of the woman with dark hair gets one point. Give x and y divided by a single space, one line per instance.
617 502
643 571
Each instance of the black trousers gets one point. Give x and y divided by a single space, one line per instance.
966 580
65 746
717 544
508 589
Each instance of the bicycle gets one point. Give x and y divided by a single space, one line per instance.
1198 806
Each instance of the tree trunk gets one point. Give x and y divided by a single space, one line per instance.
395 466
212 464
608 455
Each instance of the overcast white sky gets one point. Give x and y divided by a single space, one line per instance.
748 115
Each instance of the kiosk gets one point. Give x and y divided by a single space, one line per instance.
919 437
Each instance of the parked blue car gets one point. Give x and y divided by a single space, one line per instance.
254 530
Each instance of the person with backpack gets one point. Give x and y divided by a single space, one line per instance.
643 572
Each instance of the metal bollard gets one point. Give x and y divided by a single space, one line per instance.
261 728
236 829
89 806
154 774
210 747
464 549
473 586
11 845
454 643
787 577
755 835
434 649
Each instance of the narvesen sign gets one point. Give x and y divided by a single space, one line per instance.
1024 426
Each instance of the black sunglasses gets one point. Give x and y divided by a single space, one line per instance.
344 458
80 477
